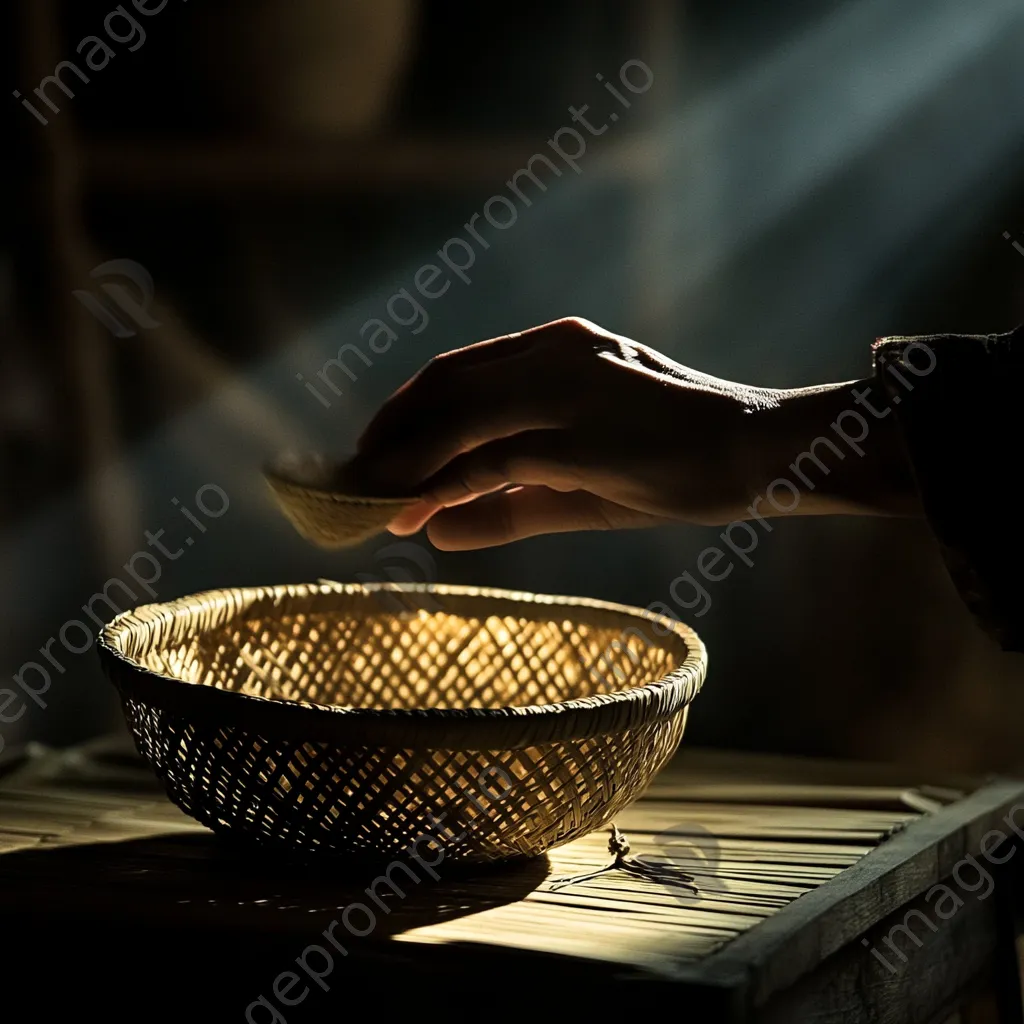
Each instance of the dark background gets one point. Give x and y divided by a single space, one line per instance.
800 178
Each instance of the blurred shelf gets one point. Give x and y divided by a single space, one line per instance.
371 165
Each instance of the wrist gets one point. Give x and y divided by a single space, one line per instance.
833 449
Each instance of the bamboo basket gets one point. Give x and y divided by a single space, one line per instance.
362 719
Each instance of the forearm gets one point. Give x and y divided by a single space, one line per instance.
830 450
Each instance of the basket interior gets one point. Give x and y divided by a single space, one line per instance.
387 650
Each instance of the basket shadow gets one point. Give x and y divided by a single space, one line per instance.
198 880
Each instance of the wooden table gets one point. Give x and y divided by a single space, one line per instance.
111 897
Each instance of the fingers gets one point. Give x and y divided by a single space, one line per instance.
469 397
520 513
536 457
412 519
532 457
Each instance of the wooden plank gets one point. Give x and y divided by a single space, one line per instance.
793 942
854 986
718 766
373 165
879 797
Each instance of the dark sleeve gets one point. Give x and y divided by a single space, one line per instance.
958 403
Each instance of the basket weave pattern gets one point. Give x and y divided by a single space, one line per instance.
348 719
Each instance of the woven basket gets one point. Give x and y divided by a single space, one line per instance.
357 720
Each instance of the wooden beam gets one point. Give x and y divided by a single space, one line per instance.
794 942
370 165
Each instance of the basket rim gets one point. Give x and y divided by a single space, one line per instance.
509 727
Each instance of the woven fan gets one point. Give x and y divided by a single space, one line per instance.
325 504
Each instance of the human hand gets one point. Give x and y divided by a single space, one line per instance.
562 427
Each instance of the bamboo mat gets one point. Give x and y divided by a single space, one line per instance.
90 833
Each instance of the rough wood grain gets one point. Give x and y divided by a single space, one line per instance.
790 878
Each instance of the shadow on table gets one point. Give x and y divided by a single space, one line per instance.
201 880
191 922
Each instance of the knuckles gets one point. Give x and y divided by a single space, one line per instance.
579 332
579 325
580 340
